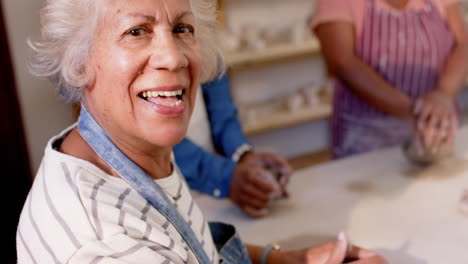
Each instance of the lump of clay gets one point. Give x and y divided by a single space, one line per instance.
415 151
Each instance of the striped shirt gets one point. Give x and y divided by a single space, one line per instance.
76 213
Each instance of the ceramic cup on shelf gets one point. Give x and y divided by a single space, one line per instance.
311 94
231 42
253 37
251 115
295 102
300 32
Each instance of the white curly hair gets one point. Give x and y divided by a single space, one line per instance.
68 28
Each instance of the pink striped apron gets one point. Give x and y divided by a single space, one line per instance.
408 49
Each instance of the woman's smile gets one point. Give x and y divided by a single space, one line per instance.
165 100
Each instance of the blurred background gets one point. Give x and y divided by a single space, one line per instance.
278 79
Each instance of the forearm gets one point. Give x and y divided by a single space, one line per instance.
453 76
372 88
337 41
254 253
273 257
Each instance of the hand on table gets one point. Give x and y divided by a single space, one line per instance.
341 251
253 185
272 163
436 119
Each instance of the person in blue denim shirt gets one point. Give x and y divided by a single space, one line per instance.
237 172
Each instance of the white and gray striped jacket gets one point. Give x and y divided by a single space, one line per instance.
76 213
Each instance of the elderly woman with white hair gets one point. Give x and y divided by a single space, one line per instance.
107 190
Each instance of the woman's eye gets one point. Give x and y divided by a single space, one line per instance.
184 29
136 32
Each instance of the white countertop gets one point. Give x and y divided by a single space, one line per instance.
406 213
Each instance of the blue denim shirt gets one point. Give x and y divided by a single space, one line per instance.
204 171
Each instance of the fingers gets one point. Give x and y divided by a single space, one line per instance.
417 108
357 255
253 198
371 260
424 114
356 252
277 162
453 126
264 181
250 193
273 163
253 189
436 119
278 165
436 135
255 212
285 193
271 160
339 252
429 123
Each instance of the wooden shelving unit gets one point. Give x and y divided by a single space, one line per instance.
284 119
306 114
279 52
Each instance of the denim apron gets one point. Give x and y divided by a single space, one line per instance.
227 241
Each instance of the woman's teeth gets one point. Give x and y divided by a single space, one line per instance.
165 98
171 104
161 93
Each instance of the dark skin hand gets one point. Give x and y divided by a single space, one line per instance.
254 184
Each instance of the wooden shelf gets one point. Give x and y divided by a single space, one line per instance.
311 113
284 119
242 59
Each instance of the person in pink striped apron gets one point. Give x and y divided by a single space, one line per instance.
398 66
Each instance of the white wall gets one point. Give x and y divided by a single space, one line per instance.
44 114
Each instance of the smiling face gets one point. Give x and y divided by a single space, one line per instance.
145 64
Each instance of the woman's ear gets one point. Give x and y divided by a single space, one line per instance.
90 74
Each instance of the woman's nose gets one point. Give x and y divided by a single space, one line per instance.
167 54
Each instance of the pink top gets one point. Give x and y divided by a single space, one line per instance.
353 10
